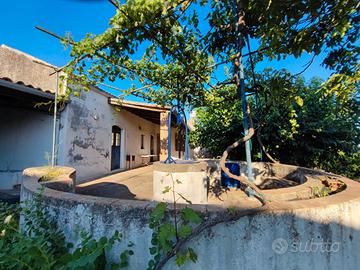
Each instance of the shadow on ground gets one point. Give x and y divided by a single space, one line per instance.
107 189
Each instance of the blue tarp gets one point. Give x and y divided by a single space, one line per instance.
226 181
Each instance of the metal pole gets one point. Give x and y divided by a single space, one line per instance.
241 76
169 159
54 124
246 124
186 138
169 135
186 143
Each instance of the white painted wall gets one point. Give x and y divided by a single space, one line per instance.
25 138
85 135
84 138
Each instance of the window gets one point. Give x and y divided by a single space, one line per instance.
142 141
117 139
116 136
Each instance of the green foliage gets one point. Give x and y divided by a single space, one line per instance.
219 124
189 255
42 246
52 173
91 254
178 42
167 233
320 192
188 215
310 124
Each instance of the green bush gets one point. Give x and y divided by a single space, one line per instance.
42 246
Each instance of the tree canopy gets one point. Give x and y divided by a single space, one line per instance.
299 122
173 47
173 50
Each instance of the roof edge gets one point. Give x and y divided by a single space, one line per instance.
31 57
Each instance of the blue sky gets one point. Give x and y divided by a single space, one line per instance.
19 18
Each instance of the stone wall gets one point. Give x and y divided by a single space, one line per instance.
322 233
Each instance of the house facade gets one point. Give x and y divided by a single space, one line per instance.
96 133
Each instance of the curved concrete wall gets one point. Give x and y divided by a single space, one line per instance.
187 181
321 233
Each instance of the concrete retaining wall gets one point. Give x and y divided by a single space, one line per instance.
261 170
321 233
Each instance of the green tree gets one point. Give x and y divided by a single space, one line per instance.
307 124
179 41
174 48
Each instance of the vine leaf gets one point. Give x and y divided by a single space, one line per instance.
158 212
184 230
166 189
189 215
166 233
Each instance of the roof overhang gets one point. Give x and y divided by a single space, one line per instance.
17 95
26 90
150 112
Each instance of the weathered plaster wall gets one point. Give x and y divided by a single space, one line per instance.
25 138
85 129
85 135
321 234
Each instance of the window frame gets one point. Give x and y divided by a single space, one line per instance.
142 141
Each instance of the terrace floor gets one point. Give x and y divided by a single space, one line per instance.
137 184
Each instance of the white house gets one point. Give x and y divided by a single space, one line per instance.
96 132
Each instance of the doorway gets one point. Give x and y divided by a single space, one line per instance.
115 147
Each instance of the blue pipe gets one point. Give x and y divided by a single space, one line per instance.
169 159
186 142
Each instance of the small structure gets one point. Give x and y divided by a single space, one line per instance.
185 181
96 133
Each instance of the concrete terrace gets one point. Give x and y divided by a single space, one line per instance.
137 184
